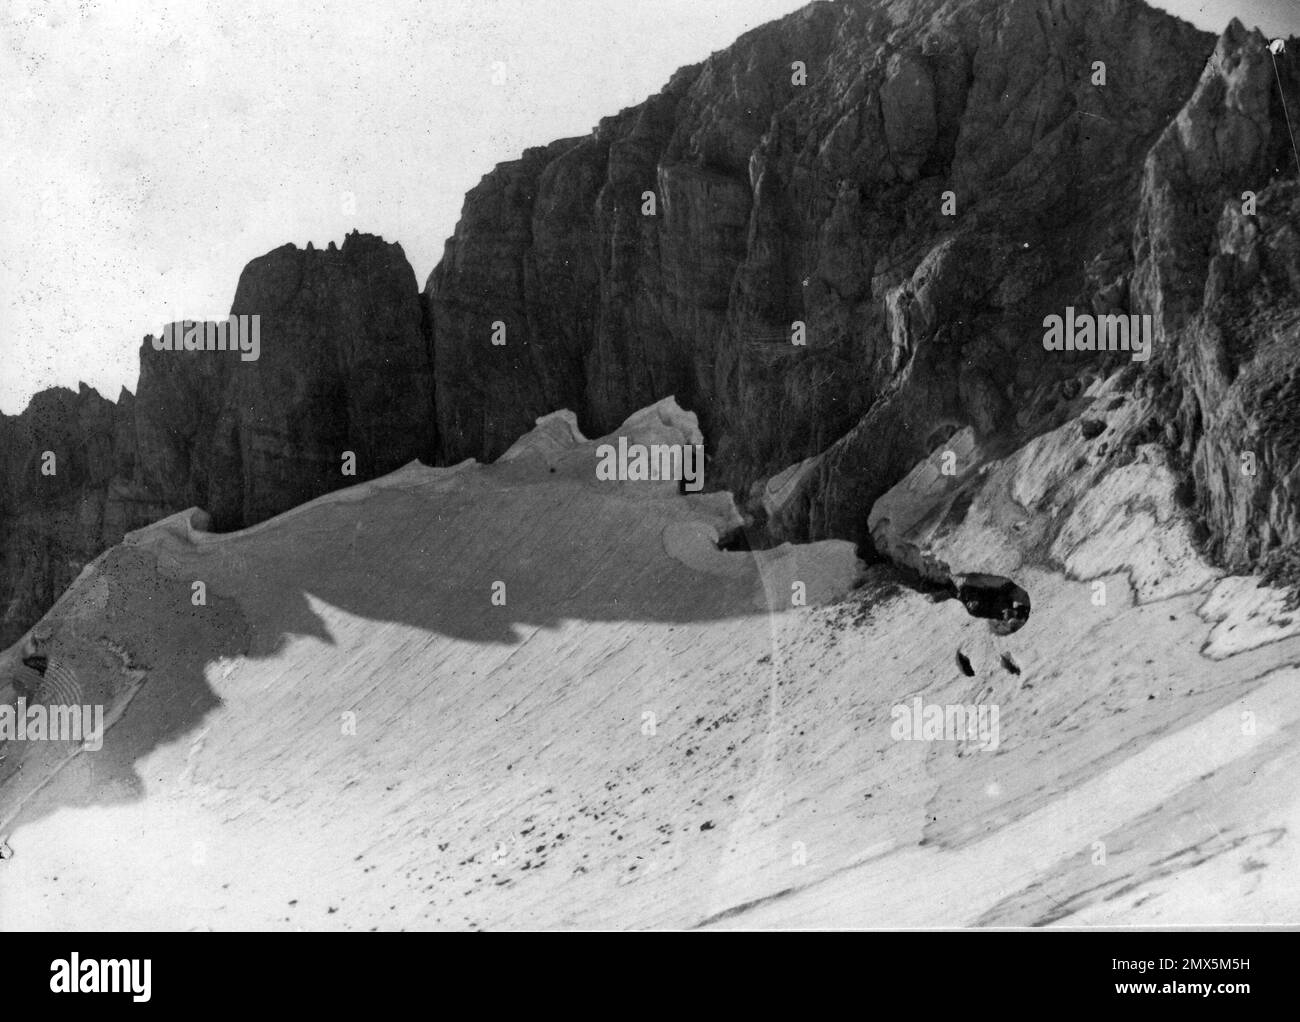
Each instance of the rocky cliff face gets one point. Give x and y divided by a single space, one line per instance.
1105 188
1238 411
822 203
1217 261
68 464
947 174
343 365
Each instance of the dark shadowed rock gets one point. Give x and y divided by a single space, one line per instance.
344 365
820 204
51 525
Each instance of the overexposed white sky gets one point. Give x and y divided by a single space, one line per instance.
151 149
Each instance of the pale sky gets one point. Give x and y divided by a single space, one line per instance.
150 150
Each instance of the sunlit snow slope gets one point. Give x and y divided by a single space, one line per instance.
350 733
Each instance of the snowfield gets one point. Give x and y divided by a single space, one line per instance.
360 728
